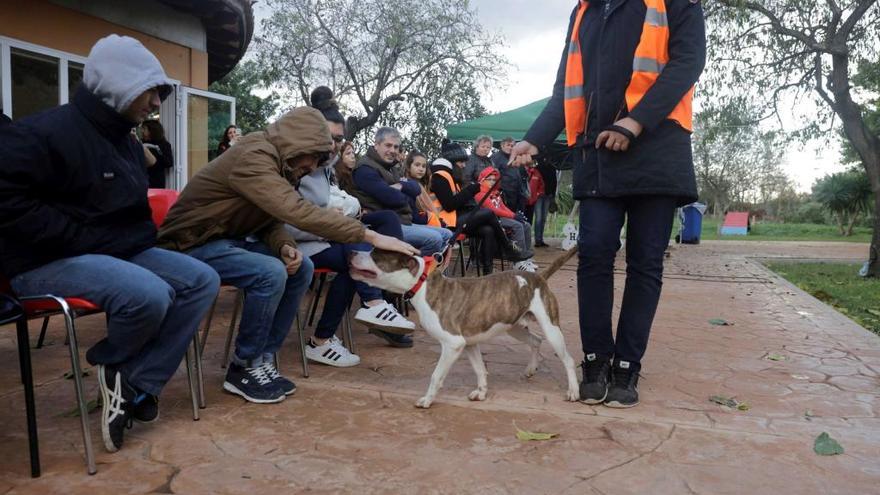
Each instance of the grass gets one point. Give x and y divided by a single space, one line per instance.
839 286
763 231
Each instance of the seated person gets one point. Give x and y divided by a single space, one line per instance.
320 187
232 215
378 186
521 231
457 206
75 222
423 210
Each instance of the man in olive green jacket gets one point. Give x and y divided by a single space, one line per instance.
231 215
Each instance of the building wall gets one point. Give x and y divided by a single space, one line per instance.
47 24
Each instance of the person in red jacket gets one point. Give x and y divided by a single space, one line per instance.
515 223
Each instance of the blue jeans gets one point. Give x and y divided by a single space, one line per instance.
427 239
648 226
154 302
271 296
541 208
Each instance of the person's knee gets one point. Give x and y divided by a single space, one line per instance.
595 249
271 276
148 301
206 280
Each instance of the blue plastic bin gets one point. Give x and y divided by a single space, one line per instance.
692 223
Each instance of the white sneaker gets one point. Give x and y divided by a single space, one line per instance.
332 352
386 317
524 266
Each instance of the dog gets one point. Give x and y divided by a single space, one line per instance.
463 312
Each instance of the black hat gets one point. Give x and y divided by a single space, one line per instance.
453 151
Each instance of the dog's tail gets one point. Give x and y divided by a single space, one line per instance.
548 272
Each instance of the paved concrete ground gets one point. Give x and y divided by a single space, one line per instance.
356 430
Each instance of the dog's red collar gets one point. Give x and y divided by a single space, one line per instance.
429 267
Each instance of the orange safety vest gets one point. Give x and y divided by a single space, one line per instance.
651 56
447 216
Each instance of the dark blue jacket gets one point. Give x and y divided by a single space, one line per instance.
514 181
660 161
73 181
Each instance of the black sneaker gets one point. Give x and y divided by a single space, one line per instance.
624 389
541 244
286 385
596 371
393 339
116 397
253 384
145 408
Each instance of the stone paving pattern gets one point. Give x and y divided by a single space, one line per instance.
355 430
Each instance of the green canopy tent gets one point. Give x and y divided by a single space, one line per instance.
513 123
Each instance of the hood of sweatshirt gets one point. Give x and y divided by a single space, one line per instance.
120 68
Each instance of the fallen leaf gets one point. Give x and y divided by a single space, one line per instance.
773 356
90 407
69 374
743 406
825 445
808 415
720 322
730 402
525 435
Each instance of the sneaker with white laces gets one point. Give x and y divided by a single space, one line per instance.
332 353
524 266
283 382
386 317
252 384
116 410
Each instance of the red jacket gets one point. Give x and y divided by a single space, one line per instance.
494 202
536 186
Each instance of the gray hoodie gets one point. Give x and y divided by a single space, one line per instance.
120 68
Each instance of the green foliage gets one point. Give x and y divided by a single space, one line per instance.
839 286
252 112
415 65
846 195
809 212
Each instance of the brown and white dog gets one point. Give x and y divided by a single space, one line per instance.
462 312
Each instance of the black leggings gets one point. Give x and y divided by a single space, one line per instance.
484 225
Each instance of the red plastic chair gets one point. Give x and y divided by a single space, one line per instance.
44 306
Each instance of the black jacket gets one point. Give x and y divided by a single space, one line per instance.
73 181
514 180
660 161
461 202
164 160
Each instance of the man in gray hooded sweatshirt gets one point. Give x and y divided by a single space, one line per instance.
75 222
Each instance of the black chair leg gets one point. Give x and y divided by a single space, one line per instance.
24 359
43 333
314 308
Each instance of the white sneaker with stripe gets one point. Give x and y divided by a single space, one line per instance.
332 352
386 317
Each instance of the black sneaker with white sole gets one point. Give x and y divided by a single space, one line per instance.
624 389
596 371
252 384
284 383
116 409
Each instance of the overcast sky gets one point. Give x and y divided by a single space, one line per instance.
534 31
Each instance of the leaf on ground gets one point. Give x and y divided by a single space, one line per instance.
808 415
720 322
526 435
729 402
875 312
74 413
825 445
69 374
774 356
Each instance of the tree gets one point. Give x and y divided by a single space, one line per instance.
783 51
868 80
415 63
252 112
735 161
847 195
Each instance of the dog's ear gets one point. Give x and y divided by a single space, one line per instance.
413 265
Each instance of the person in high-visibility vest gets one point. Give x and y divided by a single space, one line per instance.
623 96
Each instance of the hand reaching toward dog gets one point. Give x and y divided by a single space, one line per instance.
389 243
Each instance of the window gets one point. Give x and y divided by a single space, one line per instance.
74 77
34 82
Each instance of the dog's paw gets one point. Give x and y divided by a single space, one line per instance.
573 396
530 371
424 402
477 395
